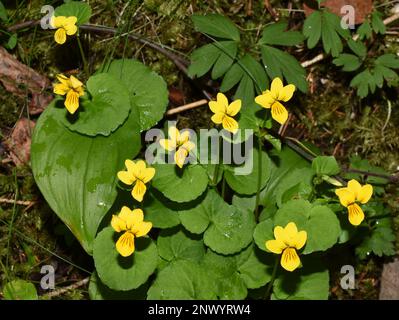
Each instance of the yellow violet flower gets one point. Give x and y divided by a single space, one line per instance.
132 223
351 195
65 26
72 88
180 142
287 241
138 174
223 112
271 99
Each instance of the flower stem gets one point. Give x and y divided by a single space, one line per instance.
85 65
259 177
270 285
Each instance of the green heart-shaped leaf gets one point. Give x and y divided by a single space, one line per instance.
123 273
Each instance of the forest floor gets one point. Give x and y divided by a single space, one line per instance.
329 116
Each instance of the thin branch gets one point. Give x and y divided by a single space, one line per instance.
18 202
187 107
58 292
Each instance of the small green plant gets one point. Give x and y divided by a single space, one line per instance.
191 228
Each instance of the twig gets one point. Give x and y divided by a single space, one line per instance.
18 202
186 107
58 292
321 56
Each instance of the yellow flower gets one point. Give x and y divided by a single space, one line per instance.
65 26
138 174
271 99
72 88
223 112
131 222
288 241
180 142
351 195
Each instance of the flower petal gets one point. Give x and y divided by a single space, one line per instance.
346 197
75 82
365 193
265 100
290 259
286 93
138 169
60 36
216 107
148 174
300 240
63 79
125 244
354 187
70 29
290 234
189 145
275 246
126 177
72 101
139 190
218 118
230 124
57 22
126 215
276 87
222 99
184 137
174 134
279 112
180 157
279 233
138 216
234 108
142 229
130 165
61 89
167 144
118 224
356 214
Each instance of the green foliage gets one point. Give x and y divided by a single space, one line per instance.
19 290
105 111
182 280
79 9
326 26
325 165
3 12
379 242
226 229
242 69
123 273
177 184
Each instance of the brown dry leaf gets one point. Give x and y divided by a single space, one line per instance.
18 144
19 79
362 7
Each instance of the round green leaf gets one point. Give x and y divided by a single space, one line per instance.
77 174
123 273
227 228
105 111
245 181
223 271
99 291
182 280
79 9
320 223
180 185
263 232
323 229
308 283
174 244
19 290
159 211
148 91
